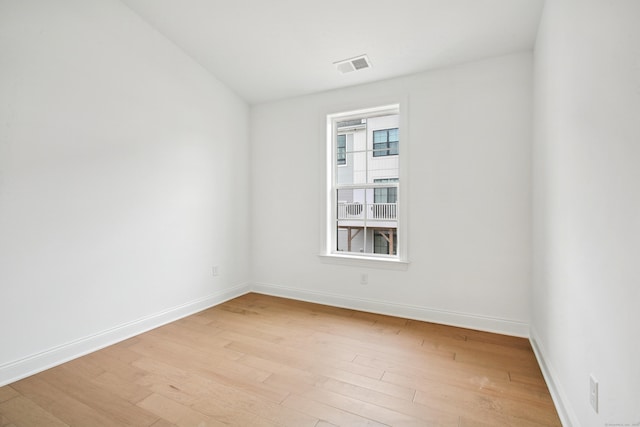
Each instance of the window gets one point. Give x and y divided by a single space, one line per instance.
383 240
385 194
363 192
385 142
342 150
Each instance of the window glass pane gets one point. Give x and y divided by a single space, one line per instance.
351 203
355 169
383 167
393 148
382 242
351 231
392 195
341 149
385 195
380 136
380 149
380 245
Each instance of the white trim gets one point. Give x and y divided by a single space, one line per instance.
22 368
426 314
567 416
365 261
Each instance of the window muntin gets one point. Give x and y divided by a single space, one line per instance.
364 189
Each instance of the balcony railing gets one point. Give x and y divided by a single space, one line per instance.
370 211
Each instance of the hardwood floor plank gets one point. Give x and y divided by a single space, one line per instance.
305 360
26 412
85 367
4 422
120 387
169 346
238 408
92 395
252 328
439 367
297 358
266 361
530 381
163 423
329 413
451 373
7 392
299 350
488 337
362 408
126 343
230 416
61 405
176 413
185 385
215 399
220 369
122 353
473 422
119 375
428 416
285 370
395 390
370 346
500 410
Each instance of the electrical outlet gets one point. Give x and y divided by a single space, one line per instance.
215 271
593 393
364 279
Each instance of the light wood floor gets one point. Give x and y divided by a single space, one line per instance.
265 361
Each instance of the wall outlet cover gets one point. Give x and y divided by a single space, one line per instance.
593 393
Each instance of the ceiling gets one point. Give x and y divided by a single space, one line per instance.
272 49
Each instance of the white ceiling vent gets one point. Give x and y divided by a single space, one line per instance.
348 65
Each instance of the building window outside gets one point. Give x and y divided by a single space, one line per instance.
341 150
385 142
364 189
383 240
385 194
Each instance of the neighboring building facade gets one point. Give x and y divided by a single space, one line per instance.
367 153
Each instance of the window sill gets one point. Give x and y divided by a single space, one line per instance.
364 261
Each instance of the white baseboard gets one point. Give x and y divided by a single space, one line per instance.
566 414
22 368
471 321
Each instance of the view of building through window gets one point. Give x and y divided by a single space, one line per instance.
365 184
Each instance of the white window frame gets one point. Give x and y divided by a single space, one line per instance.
328 250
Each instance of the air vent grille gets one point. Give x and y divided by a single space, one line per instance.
348 65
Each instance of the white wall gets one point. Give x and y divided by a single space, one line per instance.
469 197
123 180
586 286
